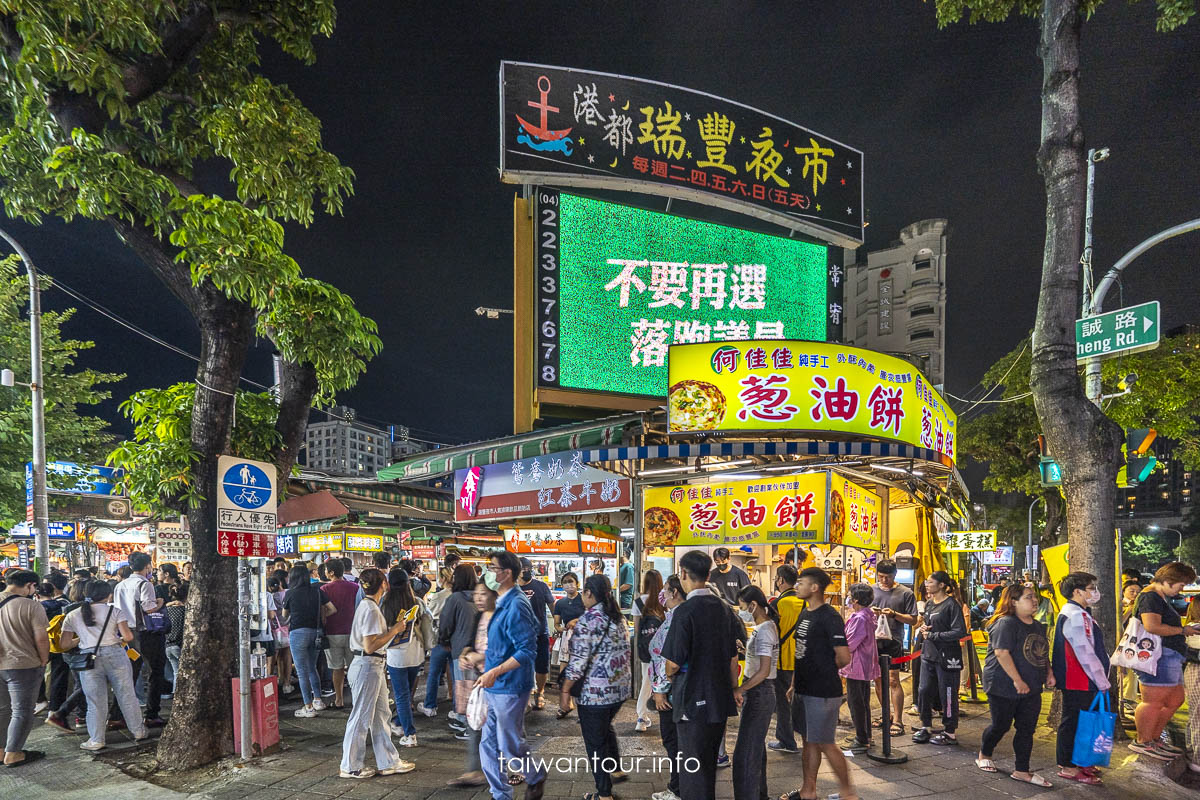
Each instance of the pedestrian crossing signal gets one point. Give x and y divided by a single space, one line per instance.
1139 461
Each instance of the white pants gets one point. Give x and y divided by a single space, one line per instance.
643 701
114 669
369 714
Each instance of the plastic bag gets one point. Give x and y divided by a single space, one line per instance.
1094 734
477 708
883 628
1137 648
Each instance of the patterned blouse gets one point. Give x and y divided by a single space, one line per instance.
600 648
659 681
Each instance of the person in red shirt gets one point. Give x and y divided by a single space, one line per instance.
342 594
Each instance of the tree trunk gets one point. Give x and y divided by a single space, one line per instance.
201 725
1085 441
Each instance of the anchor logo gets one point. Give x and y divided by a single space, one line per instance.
539 137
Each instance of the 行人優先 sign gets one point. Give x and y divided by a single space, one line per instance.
572 127
806 386
246 504
792 508
616 286
559 483
1126 330
968 541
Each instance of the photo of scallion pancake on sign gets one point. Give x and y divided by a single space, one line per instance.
660 527
837 518
695 406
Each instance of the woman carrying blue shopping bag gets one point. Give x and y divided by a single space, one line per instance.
1094 734
1080 664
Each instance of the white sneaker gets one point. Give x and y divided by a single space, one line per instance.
454 715
396 730
318 704
90 745
407 741
399 768
38 708
642 725
305 712
365 772
665 794
427 711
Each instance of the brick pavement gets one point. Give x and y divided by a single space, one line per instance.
307 767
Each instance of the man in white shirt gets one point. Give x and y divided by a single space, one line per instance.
135 597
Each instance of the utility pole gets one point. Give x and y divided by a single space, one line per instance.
41 511
1089 306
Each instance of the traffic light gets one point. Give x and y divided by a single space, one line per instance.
1049 470
1139 461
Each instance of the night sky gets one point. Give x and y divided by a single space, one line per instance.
948 121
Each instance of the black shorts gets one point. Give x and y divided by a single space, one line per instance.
541 662
891 647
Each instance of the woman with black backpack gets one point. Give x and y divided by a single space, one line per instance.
648 614
599 672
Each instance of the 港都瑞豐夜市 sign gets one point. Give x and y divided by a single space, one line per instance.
810 508
806 386
559 483
617 285
571 127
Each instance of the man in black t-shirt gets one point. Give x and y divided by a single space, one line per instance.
541 598
821 650
702 645
727 579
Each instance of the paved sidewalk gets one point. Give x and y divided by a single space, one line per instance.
307 767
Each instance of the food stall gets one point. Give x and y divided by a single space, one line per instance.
554 550
357 543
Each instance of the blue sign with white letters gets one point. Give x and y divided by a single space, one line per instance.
246 486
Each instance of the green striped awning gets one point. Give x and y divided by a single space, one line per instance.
430 464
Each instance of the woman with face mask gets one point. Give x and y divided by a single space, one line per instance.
1080 663
1015 670
756 696
1162 692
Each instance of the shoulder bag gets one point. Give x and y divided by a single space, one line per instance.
81 659
1137 648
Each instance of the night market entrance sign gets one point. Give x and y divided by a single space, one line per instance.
571 127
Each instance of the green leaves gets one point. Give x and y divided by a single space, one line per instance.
1171 13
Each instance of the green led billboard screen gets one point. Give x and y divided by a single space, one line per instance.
617 285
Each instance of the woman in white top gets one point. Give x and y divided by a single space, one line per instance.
756 695
368 684
405 653
100 628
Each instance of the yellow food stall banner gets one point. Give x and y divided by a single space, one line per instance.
764 511
859 510
1055 559
968 541
806 386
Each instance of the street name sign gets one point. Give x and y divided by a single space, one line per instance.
247 500
1126 330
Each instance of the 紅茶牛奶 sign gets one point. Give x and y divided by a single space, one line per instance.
789 385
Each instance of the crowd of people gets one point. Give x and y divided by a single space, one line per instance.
709 645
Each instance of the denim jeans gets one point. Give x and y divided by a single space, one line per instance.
750 752
114 669
439 662
18 694
303 642
403 680
173 653
368 715
504 734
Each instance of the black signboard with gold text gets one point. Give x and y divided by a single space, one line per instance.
572 127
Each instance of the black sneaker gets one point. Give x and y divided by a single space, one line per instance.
922 736
458 726
462 735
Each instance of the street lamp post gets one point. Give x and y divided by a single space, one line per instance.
1178 533
41 511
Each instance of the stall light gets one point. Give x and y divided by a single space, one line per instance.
886 468
663 471
741 462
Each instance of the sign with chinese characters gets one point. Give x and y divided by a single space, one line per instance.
246 501
854 514
542 541
577 128
617 285
1000 557
363 542
56 531
23 559
559 483
468 493
968 541
319 543
246 544
285 544
424 551
172 544
806 386
779 510
67 477
1126 330
590 544
885 306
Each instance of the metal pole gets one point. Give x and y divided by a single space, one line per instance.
244 656
1092 379
41 511
1092 365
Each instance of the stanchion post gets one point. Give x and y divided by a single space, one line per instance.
886 755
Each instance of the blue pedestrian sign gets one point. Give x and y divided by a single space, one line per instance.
246 486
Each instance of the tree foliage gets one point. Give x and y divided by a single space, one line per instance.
1146 551
70 434
1170 13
